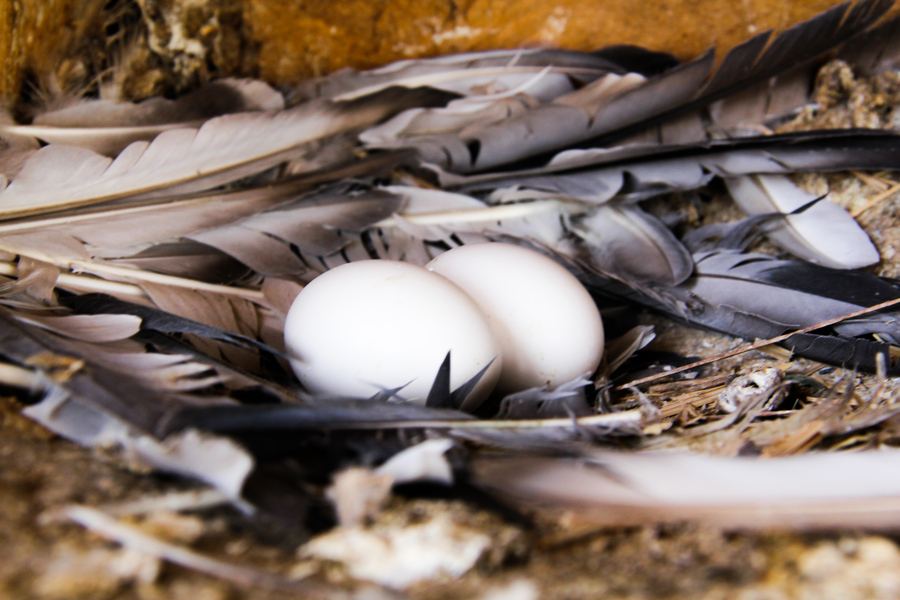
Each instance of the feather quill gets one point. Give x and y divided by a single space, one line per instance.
639 172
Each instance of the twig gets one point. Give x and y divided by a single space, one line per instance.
759 344
135 539
877 199
879 183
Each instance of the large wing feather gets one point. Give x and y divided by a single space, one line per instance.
107 126
554 126
223 150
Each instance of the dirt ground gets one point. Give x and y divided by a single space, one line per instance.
551 557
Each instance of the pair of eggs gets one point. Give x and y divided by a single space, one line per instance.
376 325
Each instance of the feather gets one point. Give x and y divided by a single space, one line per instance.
107 127
544 122
150 233
642 488
160 321
618 350
110 391
620 240
567 400
466 74
772 101
755 296
554 126
630 243
125 231
87 328
824 233
331 227
223 150
881 52
442 396
764 105
275 242
14 153
793 293
335 415
477 111
456 116
639 172
231 315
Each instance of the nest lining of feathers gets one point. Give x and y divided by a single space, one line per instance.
145 278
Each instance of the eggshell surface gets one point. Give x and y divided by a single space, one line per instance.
548 326
372 325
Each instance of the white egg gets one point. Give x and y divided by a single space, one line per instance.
548 325
372 325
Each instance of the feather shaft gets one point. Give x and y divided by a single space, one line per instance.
133 274
756 345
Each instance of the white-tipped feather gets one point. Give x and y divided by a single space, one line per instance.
824 233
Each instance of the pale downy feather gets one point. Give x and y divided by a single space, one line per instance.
824 233
223 150
641 488
107 127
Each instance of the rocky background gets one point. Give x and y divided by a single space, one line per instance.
164 46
